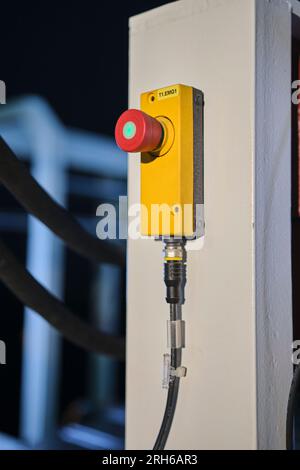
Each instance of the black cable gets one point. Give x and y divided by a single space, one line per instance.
35 200
168 416
291 410
175 314
26 288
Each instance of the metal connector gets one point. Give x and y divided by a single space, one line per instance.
176 334
174 250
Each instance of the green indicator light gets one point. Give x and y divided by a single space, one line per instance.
129 130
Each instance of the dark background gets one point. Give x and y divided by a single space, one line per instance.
73 54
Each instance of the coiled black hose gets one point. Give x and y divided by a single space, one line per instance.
19 182
31 293
36 201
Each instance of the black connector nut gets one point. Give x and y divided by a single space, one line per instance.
175 280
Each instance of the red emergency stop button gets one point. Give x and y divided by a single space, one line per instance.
138 132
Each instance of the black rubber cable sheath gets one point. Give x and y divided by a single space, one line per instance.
35 200
26 288
291 410
175 314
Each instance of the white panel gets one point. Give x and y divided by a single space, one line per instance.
209 44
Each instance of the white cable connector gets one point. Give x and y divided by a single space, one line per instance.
166 371
169 372
179 372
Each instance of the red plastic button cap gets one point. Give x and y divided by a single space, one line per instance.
138 132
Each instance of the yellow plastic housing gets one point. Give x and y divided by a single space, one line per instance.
167 175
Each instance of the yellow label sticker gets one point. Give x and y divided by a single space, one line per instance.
169 92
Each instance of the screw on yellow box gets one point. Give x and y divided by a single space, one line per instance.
172 192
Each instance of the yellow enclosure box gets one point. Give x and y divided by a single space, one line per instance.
172 193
